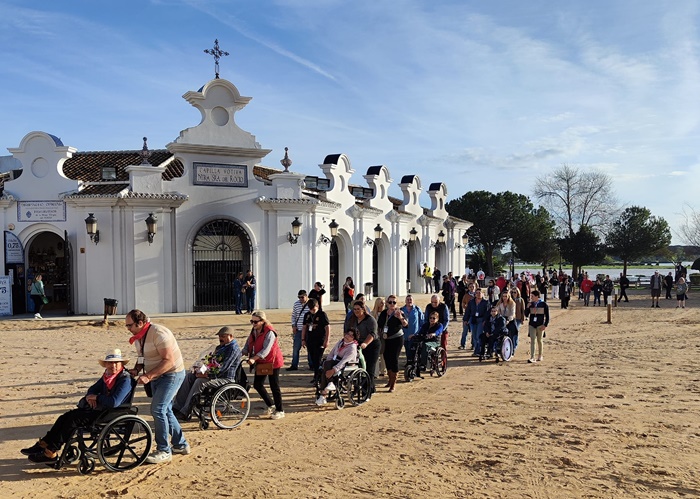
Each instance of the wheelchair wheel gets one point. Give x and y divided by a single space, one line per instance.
409 373
72 454
86 466
506 349
339 402
359 387
230 406
440 361
124 443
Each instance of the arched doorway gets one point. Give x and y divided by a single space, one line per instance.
48 255
220 251
334 271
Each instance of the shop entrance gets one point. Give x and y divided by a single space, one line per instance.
49 256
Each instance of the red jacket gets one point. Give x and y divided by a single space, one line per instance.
256 342
586 285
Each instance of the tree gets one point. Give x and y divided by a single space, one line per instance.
576 198
690 227
582 248
534 238
636 234
497 218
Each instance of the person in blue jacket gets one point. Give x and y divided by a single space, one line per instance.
476 315
111 390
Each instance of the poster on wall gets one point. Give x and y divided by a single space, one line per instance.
5 295
14 253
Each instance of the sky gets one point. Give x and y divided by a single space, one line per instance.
481 95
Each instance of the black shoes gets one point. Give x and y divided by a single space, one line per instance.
41 457
292 368
34 449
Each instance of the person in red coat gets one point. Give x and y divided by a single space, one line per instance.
262 347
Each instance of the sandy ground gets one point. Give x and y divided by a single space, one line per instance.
611 412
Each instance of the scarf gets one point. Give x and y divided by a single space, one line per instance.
140 334
110 379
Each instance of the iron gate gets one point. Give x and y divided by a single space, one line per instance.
220 251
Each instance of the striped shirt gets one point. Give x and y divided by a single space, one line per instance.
298 312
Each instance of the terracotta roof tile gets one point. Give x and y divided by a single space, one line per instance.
87 166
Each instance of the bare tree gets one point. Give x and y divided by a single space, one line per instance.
689 229
575 198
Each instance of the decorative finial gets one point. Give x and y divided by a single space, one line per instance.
217 53
145 153
286 162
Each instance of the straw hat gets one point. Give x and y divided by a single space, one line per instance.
114 355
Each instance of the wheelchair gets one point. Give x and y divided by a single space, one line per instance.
223 401
503 347
352 382
436 361
118 438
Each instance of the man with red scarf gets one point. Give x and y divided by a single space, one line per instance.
111 390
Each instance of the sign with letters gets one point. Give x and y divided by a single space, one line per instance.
220 175
41 211
5 295
14 253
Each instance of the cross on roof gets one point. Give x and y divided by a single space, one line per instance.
217 53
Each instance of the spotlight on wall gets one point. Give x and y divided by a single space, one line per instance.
323 240
151 226
91 227
293 237
369 242
404 243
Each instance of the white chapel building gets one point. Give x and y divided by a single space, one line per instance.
171 228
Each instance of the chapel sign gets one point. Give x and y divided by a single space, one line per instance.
220 175
41 211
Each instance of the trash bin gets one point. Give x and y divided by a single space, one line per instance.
110 306
368 291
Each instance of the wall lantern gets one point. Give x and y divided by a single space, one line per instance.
91 227
465 239
293 236
378 232
334 228
151 227
441 237
413 234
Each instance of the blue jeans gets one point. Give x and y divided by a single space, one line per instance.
477 329
250 301
465 333
515 336
296 349
239 302
164 389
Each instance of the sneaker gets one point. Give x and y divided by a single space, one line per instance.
321 400
531 360
38 447
331 387
268 410
292 368
540 358
45 456
460 347
38 316
277 415
159 456
184 450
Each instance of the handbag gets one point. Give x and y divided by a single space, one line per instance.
263 368
45 299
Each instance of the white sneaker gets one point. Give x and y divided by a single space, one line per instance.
277 415
531 360
540 358
268 411
321 400
330 387
184 450
159 457
38 316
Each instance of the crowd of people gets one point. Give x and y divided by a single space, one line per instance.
380 333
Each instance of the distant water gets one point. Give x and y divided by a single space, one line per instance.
645 271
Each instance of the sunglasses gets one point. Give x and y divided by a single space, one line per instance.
391 302
254 322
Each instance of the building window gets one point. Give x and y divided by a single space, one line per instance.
109 173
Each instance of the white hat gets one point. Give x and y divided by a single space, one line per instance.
114 355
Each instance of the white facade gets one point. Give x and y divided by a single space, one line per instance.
185 190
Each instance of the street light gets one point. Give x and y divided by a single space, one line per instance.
91 227
151 227
293 236
378 232
413 234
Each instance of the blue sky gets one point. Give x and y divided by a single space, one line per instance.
481 95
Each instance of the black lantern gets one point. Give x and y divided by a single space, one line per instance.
441 237
293 236
413 234
378 232
151 227
465 239
91 227
334 228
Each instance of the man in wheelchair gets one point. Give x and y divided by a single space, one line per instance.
343 353
221 363
427 340
113 389
495 330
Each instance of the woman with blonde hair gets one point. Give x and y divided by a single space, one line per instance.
265 356
390 325
379 306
